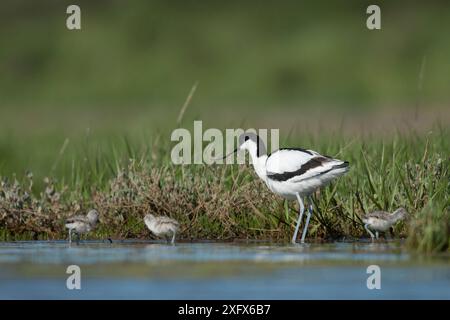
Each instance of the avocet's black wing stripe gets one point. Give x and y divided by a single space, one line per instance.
288 160
312 169
309 165
320 173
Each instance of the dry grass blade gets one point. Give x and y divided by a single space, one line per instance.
186 104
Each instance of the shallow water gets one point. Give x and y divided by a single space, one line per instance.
155 270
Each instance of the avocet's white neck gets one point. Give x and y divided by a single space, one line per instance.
259 163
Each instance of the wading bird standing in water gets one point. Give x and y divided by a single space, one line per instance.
292 173
162 226
82 224
382 220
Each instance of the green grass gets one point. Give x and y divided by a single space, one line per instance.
135 176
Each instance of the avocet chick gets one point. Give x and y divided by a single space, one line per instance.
162 226
382 220
80 224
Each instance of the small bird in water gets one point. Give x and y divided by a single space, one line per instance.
162 226
80 224
382 220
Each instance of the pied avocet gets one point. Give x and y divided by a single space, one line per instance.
382 220
162 226
292 173
80 224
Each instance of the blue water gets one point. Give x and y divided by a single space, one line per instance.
152 270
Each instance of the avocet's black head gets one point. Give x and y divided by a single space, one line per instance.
249 140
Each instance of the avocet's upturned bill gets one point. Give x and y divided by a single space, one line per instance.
292 173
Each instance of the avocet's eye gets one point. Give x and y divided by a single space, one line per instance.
246 138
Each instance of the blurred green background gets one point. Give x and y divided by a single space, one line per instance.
258 63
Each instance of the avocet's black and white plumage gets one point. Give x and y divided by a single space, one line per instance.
292 173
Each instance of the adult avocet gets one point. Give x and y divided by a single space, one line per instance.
82 224
292 173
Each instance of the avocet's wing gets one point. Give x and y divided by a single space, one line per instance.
377 214
167 221
300 164
77 218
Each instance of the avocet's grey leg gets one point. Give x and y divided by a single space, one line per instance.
300 216
366 226
173 238
305 229
377 234
70 236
